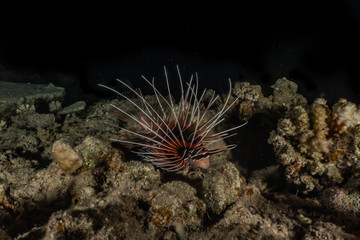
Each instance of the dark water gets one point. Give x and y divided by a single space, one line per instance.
313 44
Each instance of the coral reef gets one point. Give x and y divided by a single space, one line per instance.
61 177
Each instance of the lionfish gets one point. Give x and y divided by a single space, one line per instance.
176 136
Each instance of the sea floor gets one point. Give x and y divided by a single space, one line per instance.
62 178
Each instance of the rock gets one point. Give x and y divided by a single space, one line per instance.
73 108
222 187
37 120
68 159
175 204
14 94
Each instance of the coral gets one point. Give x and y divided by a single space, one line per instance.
249 96
252 101
317 146
66 156
22 97
319 142
133 178
342 201
283 98
45 187
94 151
285 95
25 108
54 106
76 129
118 218
41 121
4 235
3 125
253 217
248 92
175 202
327 230
30 132
161 217
346 114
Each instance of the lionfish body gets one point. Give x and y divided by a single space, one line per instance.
176 136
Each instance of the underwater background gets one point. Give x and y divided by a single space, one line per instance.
314 45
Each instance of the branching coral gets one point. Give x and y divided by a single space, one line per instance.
318 147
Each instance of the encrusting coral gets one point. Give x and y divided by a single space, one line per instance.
342 201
